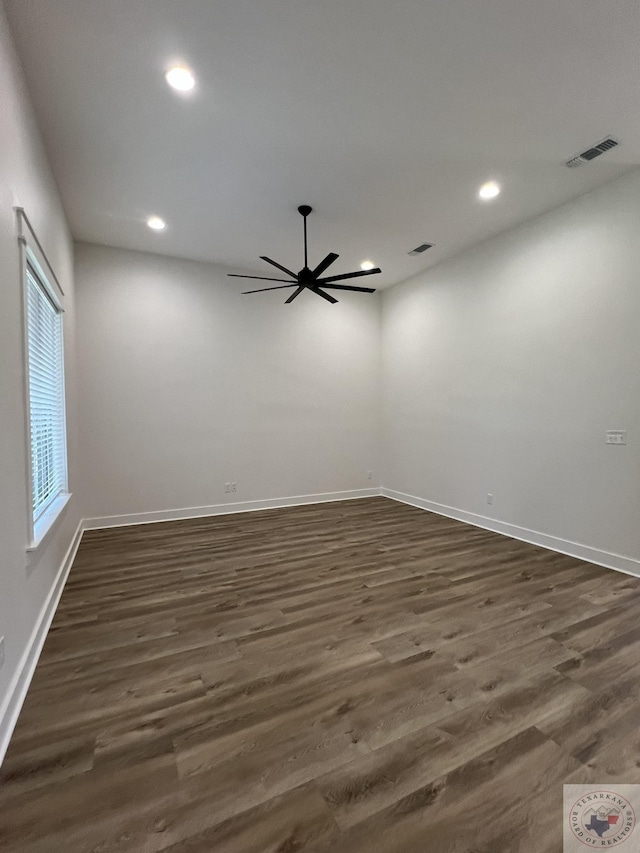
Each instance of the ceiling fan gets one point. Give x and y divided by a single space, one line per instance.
308 278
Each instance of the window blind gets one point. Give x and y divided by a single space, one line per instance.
46 396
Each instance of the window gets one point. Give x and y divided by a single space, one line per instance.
45 387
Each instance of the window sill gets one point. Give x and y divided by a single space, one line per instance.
45 524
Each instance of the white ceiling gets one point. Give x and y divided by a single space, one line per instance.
384 116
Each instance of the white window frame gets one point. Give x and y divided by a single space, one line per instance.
33 259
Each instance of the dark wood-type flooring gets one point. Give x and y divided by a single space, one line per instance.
361 677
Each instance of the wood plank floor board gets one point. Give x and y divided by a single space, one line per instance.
364 787
466 809
356 676
293 821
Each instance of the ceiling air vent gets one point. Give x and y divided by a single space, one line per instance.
420 249
591 153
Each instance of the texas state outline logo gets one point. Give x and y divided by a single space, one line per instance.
601 817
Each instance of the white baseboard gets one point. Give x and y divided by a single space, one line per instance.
16 694
223 509
620 563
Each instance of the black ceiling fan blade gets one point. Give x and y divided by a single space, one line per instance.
349 287
331 257
349 275
324 295
277 287
259 277
276 264
294 294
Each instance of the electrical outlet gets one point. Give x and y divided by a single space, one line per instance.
616 436
234 487
489 499
369 475
227 488
1 652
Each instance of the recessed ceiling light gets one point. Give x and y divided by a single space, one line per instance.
180 78
367 265
489 190
155 223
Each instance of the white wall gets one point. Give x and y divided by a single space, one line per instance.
26 181
185 384
503 368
